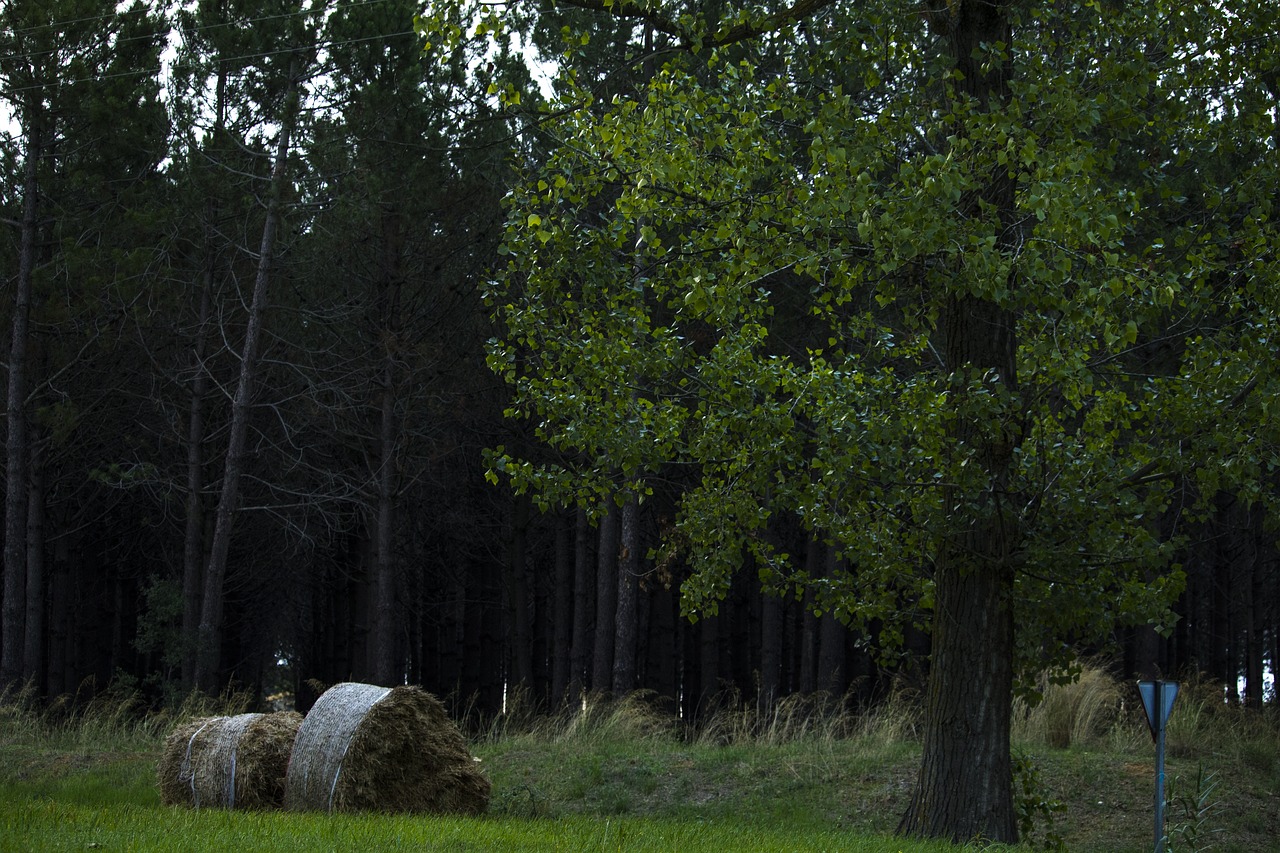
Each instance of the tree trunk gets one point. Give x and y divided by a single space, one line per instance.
1255 631
770 652
606 601
385 667
388 669
709 663
517 590
809 623
209 652
964 790
580 653
662 648
33 651
626 628
494 677
562 613
965 787
193 539
832 638
12 634
60 625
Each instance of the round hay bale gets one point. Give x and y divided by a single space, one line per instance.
369 748
234 762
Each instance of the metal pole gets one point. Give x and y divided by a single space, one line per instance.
1159 800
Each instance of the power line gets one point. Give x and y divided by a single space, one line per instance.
246 58
246 21
173 31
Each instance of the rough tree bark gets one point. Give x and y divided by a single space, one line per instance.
626 627
583 581
606 601
964 788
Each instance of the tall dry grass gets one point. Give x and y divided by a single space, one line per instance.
1097 710
1083 712
1204 723
113 718
592 719
734 720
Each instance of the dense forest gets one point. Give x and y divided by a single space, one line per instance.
284 330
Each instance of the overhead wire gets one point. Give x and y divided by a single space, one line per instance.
150 72
198 31
118 14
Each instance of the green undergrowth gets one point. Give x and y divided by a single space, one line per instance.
807 775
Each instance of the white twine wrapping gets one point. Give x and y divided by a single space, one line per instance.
323 741
185 770
224 741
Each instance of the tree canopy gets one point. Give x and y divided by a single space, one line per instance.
978 293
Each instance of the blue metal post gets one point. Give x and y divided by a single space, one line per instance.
1157 701
1159 802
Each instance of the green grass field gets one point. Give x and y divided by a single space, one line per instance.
620 777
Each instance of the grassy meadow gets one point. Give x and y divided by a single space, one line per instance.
623 776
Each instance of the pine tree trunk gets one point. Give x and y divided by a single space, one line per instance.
388 669
562 612
770 652
580 651
809 623
663 650
60 626
626 626
12 633
832 638
193 538
493 655
517 590
1255 645
33 657
709 628
606 601
209 649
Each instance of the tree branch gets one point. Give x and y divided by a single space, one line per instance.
799 10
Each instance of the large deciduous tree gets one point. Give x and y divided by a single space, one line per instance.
907 282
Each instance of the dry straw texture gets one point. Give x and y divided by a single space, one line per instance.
234 762
1080 712
368 748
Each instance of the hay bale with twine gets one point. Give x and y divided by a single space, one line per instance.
369 748
234 762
